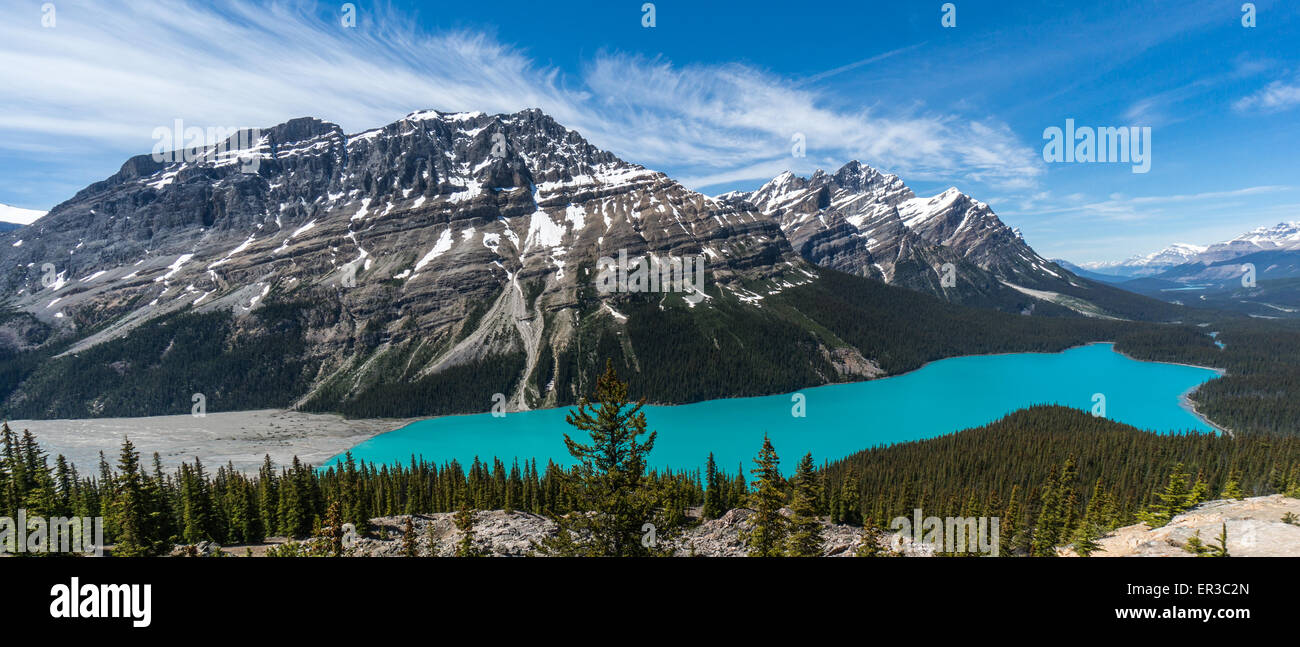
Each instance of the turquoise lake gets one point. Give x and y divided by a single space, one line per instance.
939 398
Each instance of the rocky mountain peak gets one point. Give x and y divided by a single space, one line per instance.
866 222
407 232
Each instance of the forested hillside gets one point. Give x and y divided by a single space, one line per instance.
1006 468
667 353
1053 475
1260 392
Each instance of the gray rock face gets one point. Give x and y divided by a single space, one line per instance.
444 240
847 221
396 235
498 534
1255 528
722 537
861 221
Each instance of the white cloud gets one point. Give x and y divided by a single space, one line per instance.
1122 208
1276 97
114 73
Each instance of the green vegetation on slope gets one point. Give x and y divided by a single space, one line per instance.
1053 475
978 472
669 354
158 368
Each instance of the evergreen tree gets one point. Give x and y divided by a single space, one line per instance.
805 538
767 529
871 544
410 543
1169 502
714 502
1092 526
465 524
1068 499
610 479
1056 511
1232 487
738 493
196 504
1199 493
267 497
329 538
1085 539
65 487
1011 528
1047 532
850 500
1201 549
136 513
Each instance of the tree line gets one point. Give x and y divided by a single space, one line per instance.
1053 475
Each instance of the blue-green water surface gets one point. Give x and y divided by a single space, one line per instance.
939 398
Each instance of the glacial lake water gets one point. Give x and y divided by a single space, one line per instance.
941 397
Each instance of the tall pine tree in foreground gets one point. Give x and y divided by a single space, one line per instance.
137 510
850 500
765 536
1232 488
1174 499
410 542
465 524
873 542
805 538
714 503
1093 525
330 540
614 499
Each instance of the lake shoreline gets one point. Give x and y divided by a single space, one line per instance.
972 393
244 437
241 438
1185 399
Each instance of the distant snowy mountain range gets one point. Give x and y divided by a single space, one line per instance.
1256 273
1280 237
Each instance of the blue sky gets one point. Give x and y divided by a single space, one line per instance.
713 93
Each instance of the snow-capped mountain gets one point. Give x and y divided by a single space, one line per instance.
437 241
420 266
865 222
1285 234
1148 264
1282 236
1216 276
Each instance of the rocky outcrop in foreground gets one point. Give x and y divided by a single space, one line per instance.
1255 529
511 535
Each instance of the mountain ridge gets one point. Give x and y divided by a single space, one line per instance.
1282 236
868 223
444 250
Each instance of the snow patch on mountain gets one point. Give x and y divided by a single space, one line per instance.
1282 236
18 215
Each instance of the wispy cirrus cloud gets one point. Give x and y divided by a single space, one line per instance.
1119 207
1121 226
1277 96
733 122
111 73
